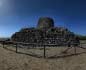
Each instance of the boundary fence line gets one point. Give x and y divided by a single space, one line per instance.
32 44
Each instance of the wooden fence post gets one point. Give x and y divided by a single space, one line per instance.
75 49
44 51
16 47
3 44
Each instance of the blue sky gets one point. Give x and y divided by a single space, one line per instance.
16 14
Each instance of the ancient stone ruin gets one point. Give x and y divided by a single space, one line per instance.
44 33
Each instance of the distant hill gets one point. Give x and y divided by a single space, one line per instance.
1 39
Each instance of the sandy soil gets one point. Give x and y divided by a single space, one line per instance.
9 60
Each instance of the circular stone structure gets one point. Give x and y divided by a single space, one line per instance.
45 23
44 33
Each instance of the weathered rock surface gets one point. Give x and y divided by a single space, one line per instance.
45 33
45 23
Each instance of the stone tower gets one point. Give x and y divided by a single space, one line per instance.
45 23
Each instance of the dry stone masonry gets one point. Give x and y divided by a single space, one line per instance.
44 33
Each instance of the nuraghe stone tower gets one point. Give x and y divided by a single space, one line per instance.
44 33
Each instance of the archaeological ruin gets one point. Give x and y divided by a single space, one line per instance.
44 33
